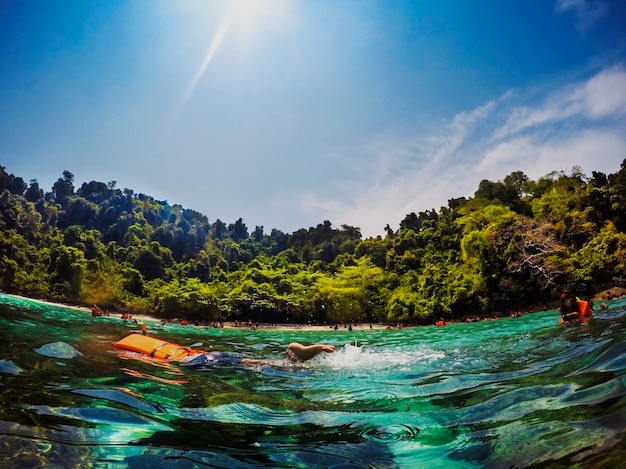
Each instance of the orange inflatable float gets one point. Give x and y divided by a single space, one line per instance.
157 348
584 311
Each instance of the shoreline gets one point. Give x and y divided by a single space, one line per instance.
146 318
142 317
83 309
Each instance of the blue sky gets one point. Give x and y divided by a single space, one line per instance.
287 113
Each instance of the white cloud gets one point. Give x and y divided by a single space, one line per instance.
602 96
507 154
592 150
588 12
577 124
605 94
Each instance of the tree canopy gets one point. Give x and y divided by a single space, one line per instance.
513 243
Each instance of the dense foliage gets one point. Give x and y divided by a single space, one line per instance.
514 242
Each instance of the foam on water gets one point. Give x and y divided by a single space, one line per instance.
372 358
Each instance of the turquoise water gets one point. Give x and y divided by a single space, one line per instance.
516 392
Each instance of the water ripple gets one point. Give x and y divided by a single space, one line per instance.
391 433
498 394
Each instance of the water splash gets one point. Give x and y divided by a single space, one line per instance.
376 358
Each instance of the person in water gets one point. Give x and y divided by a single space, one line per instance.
296 353
161 349
569 308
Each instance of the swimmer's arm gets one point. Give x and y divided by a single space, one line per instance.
297 352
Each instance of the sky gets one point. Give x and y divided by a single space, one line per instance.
287 113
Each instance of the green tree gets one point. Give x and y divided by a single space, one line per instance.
34 193
67 266
64 187
153 260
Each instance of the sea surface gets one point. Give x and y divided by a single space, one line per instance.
516 392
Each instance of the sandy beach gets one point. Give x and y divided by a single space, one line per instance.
598 298
84 309
145 318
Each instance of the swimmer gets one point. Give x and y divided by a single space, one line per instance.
568 307
296 352
160 349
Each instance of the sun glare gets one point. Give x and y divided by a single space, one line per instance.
249 14
247 11
241 18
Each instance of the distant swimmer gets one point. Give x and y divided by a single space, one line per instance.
572 308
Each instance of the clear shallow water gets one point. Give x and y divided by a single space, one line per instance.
511 393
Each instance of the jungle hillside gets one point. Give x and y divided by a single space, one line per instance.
515 242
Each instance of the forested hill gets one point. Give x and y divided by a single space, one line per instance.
515 242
